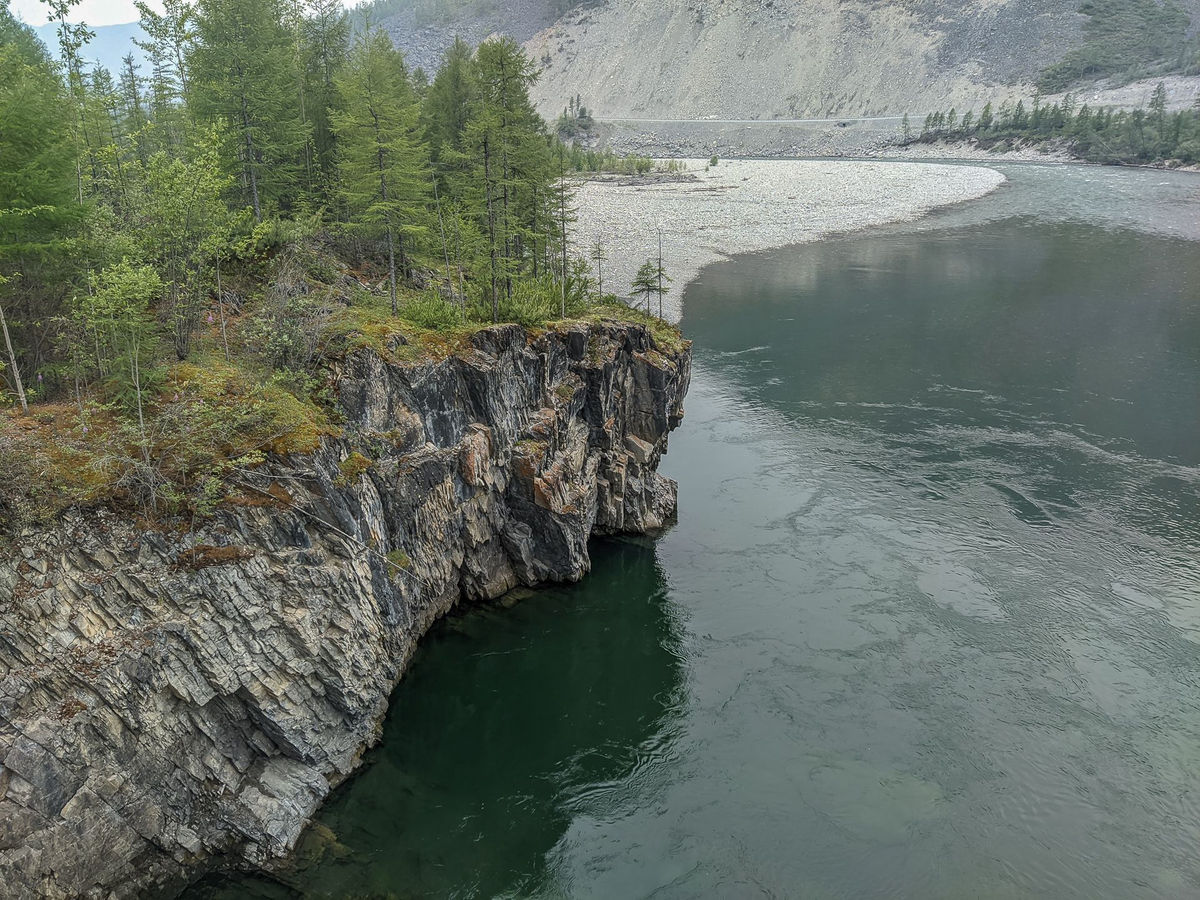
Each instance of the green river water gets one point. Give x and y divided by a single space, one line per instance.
929 624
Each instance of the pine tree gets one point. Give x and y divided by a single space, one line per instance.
600 255
652 279
327 43
513 158
170 41
448 103
385 164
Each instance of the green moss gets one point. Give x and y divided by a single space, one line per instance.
666 336
398 561
352 468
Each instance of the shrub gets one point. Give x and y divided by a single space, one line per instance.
352 468
431 310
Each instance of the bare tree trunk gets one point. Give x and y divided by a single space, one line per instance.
491 217
221 307
250 168
660 276
392 268
462 288
391 240
441 228
12 360
562 218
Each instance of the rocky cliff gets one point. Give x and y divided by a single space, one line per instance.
177 700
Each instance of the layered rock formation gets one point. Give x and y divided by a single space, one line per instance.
171 701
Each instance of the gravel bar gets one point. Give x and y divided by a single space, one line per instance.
744 206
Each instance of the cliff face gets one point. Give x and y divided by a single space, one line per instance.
738 59
168 698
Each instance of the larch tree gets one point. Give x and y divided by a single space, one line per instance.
384 162
652 279
40 211
241 72
512 157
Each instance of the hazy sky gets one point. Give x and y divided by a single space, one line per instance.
94 12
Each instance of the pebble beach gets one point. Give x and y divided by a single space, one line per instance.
745 206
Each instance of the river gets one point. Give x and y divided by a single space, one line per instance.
929 624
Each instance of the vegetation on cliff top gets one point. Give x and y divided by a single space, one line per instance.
181 250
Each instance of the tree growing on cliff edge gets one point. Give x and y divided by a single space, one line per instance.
652 279
600 256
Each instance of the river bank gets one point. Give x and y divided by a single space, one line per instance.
745 206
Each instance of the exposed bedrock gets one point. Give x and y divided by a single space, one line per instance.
174 700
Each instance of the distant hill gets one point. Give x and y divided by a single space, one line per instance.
424 29
108 48
733 59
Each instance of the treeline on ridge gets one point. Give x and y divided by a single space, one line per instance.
1151 135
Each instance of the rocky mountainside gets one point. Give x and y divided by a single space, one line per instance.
735 59
170 697
425 31
739 59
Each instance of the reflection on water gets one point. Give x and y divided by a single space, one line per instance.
929 625
1063 354
508 722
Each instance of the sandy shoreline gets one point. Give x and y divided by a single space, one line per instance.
743 206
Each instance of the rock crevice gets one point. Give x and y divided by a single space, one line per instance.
171 701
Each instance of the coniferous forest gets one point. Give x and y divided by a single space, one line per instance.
1149 136
181 245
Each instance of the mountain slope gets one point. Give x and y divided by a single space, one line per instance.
733 59
796 58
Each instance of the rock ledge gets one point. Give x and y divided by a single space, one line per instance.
171 702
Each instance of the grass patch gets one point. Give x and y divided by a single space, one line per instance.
666 336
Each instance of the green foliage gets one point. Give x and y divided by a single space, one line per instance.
115 317
1123 37
385 164
184 225
651 280
430 309
1117 137
40 212
352 468
398 561
240 69
184 245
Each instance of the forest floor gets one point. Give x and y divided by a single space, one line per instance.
744 206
